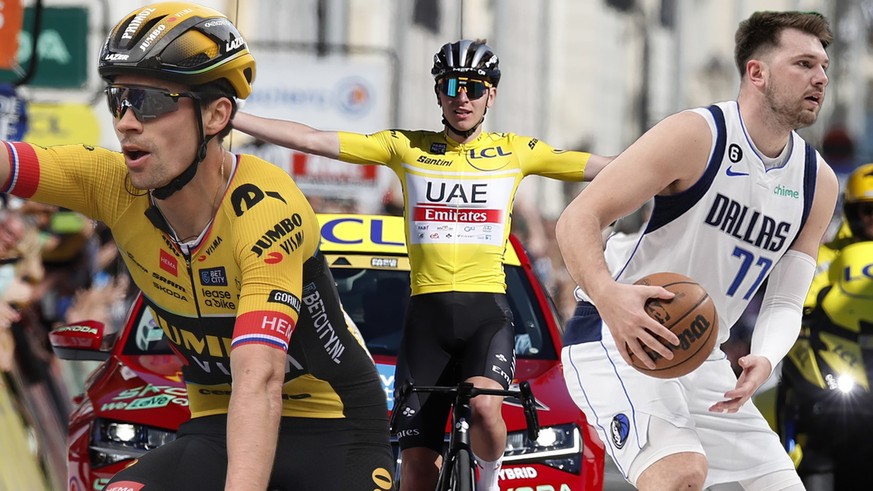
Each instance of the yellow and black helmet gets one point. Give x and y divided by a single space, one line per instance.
859 189
179 42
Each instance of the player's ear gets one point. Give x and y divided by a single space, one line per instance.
756 71
216 115
492 95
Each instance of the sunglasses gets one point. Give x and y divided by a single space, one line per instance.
865 209
474 88
147 103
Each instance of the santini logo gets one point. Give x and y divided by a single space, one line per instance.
734 173
783 191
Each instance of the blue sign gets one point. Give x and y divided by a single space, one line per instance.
13 114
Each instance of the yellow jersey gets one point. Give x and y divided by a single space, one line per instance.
458 198
254 277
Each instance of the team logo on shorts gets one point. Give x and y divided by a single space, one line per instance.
620 428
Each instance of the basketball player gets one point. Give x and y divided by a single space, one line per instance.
739 197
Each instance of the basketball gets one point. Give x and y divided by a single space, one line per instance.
690 314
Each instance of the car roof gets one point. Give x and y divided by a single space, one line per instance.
372 234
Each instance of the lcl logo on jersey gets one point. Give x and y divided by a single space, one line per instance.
489 153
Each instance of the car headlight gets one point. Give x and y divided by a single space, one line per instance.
114 441
557 446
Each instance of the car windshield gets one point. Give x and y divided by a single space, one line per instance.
147 337
376 299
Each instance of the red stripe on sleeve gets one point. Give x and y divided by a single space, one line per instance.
263 327
24 170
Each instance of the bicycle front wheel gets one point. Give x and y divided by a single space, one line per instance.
461 475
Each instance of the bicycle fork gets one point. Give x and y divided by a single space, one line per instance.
458 458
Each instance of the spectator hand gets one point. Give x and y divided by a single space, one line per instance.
756 371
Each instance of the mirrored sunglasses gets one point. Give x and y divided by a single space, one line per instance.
147 102
474 88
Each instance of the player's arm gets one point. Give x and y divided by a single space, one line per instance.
667 159
253 416
539 158
595 164
4 165
779 318
290 134
261 336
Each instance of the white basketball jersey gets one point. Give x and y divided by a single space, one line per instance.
731 227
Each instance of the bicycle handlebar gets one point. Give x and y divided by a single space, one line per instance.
465 391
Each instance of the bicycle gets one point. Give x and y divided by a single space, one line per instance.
457 472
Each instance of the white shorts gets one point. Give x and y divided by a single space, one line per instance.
620 403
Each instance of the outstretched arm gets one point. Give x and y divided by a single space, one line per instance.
4 165
595 164
296 136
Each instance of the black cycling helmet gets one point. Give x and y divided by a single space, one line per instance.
466 57
179 42
859 189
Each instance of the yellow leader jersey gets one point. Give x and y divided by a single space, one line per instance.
458 198
255 277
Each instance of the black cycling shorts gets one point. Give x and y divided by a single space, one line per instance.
448 338
311 455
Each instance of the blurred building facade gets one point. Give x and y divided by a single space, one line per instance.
578 74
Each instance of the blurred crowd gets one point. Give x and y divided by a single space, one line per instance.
56 267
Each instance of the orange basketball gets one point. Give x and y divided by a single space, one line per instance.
691 315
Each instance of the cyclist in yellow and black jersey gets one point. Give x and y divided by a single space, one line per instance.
458 186
224 247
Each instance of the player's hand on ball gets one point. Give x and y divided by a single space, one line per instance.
632 328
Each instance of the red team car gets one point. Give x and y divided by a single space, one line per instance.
135 400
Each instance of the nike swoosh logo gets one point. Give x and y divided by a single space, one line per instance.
733 173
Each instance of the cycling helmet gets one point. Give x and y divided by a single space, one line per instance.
466 57
179 42
859 189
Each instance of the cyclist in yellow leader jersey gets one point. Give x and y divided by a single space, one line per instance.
458 186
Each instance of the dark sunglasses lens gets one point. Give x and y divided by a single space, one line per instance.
475 89
866 209
146 103
452 87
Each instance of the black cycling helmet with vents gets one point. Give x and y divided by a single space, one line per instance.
183 43
466 58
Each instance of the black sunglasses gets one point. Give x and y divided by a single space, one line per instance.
865 209
147 102
474 88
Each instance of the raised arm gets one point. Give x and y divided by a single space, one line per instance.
595 164
290 134
646 168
